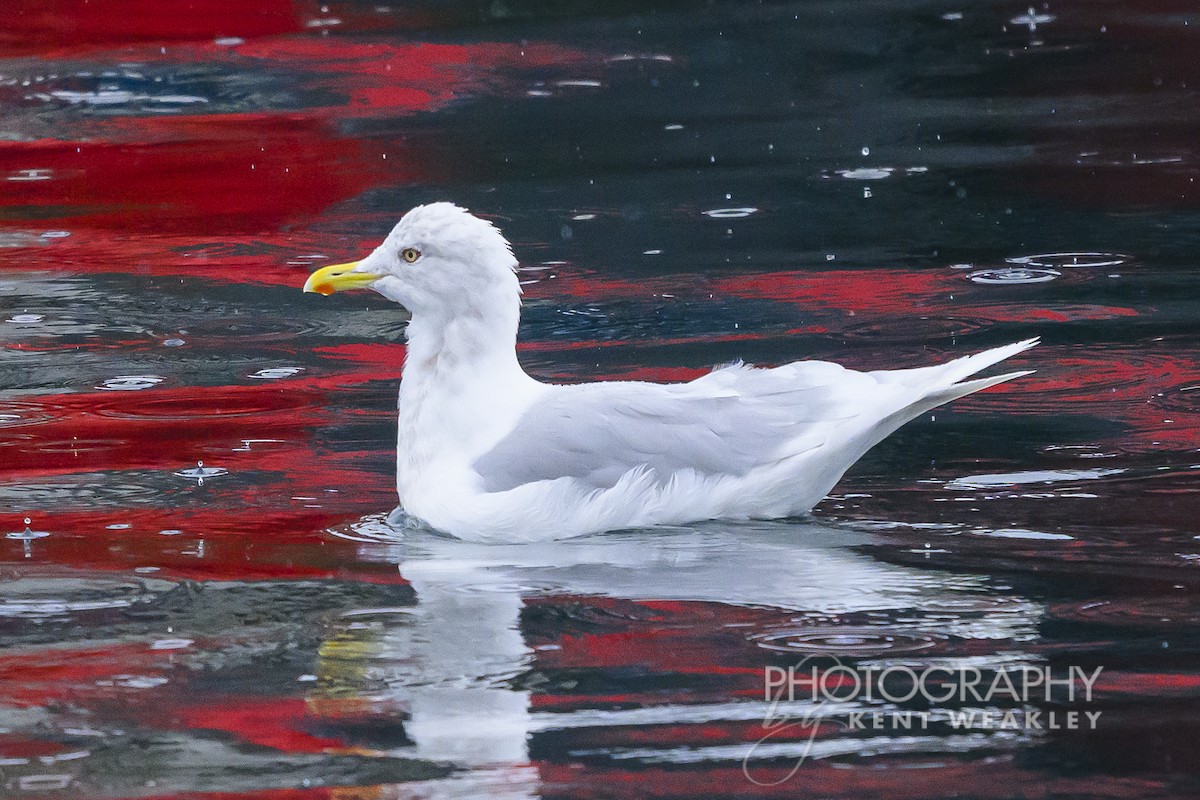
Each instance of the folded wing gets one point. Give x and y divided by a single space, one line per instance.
726 423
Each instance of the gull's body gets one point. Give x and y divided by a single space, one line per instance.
487 453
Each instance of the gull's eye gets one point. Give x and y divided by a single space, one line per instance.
410 254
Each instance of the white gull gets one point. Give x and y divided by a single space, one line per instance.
487 453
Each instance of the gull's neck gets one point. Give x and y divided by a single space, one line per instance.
468 346
462 388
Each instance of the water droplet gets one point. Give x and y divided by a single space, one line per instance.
200 472
174 343
1031 19
866 151
26 537
1013 275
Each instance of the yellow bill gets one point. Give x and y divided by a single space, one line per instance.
339 278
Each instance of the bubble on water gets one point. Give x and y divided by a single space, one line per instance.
273 373
1003 275
847 641
865 173
130 383
1030 477
866 151
134 681
1071 260
27 175
26 319
730 213
44 783
1023 533
171 644
174 343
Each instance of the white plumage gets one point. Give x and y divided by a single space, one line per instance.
487 453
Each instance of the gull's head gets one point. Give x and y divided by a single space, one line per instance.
438 259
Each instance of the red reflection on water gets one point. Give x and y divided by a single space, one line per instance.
276 722
41 26
251 171
243 173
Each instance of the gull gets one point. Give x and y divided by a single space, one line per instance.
487 453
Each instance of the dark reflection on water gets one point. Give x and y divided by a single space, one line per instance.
877 183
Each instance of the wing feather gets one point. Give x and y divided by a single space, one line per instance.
725 423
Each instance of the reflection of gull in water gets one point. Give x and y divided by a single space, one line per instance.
488 453
450 661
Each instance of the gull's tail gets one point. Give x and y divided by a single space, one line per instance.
944 382
914 391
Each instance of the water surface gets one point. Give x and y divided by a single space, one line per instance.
207 600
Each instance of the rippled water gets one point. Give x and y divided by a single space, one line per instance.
207 596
